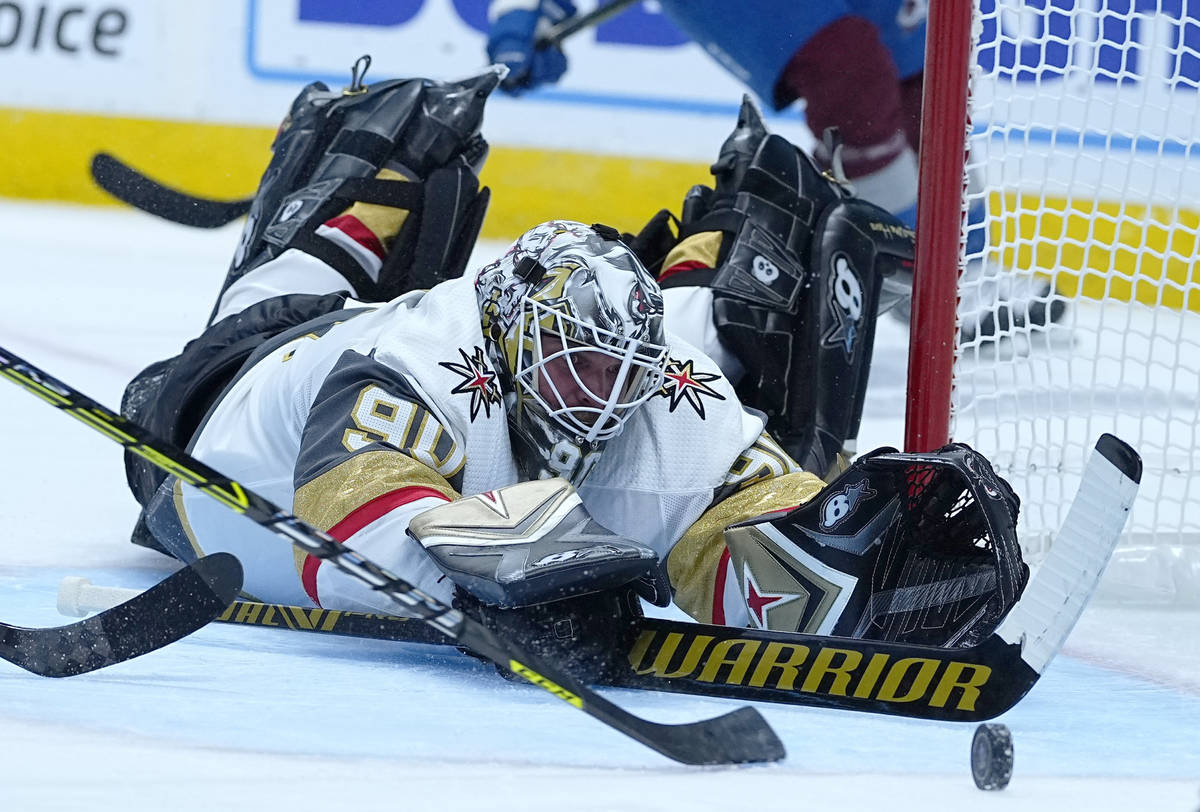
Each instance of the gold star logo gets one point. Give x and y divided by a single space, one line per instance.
683 384
479 381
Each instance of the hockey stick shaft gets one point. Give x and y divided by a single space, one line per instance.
738 737
78 597
573 25
136 189
136 623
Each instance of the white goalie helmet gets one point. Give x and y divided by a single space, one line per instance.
573 323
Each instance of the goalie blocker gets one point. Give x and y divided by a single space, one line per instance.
531 543
908 548
529 563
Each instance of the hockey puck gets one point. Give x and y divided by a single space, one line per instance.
992 756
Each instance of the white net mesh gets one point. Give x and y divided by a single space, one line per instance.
1080 302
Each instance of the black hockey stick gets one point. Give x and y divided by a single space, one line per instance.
130 186
741 736
944 684
573 25
171 609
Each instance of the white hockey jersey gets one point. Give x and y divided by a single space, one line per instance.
376 414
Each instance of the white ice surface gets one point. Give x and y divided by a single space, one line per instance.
245 718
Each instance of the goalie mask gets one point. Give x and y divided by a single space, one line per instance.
573 323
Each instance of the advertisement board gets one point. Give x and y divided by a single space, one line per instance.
192 92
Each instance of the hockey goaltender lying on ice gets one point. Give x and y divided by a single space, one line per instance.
535 465
960 684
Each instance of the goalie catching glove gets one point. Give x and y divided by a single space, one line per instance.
913 548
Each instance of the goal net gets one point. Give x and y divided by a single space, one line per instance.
1073 257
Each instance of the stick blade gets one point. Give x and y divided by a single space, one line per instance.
1064 583
132 187
170 610
738 737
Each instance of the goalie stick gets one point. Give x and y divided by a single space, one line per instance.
964 685
171 609
741 736
136 189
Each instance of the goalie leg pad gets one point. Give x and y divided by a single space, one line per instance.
329 154
913 548
533 543
808 362
769 198
856 247
801 272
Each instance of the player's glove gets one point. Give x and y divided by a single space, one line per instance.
531 543
586 634
512 41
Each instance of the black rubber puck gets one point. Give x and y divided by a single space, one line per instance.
992 756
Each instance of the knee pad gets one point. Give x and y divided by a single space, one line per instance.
849 80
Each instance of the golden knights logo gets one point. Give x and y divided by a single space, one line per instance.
785 587
683 384
479 381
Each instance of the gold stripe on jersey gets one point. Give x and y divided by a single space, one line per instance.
181 511
763 460
347 486
693 561
335 494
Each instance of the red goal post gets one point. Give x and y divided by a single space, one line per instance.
940 223
1063 137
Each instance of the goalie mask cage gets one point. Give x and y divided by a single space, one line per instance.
1060 174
